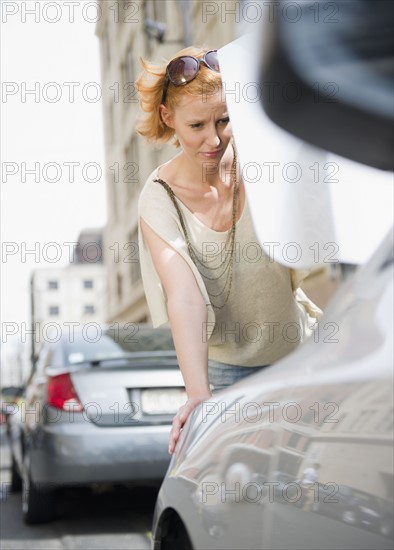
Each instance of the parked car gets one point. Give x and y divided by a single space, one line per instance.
97 409
238 476
354 507
331 401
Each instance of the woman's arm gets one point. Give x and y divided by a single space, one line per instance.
187 312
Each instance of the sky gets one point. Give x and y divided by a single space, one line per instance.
51 128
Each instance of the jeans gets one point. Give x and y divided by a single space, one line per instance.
222 375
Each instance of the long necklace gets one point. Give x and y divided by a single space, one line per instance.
229 245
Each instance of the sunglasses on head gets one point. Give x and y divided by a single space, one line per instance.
184 69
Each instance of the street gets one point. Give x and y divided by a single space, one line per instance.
114 519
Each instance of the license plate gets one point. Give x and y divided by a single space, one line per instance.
162 401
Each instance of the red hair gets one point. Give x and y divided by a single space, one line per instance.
150 85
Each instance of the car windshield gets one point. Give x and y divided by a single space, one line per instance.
115 342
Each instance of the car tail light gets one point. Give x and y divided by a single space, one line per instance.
61 393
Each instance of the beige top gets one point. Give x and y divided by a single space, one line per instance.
266 315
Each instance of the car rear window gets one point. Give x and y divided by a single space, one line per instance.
115 342
146 339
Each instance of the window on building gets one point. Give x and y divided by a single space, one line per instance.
155 19
110 122
119 286
106 46
347 270
128 72
133 257
128 93
112 178
53 285
309 417
89 309
54 310
131 167
294 439
88 283
155 10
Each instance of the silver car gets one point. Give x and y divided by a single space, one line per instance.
97 408
299 455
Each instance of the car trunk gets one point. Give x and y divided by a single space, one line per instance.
125 395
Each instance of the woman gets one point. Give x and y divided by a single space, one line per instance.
232 309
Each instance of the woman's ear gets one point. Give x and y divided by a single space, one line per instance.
166 116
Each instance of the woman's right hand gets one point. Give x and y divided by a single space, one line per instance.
180 419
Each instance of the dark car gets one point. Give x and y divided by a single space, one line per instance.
97 409
351 506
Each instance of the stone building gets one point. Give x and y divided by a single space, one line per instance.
73 294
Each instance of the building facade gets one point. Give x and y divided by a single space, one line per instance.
74 295
127 31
